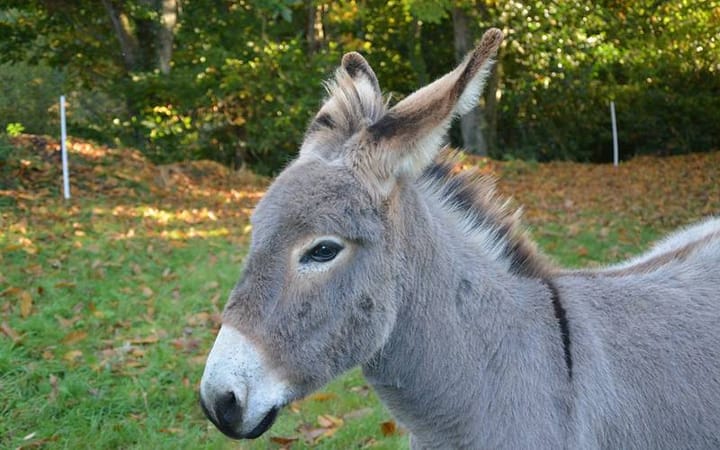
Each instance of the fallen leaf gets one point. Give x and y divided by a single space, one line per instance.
388 428
363 390
152 339
74 337
328 421
322 396
312 434
357 414
284 441
199 360
73 356
186 344
10 291
9 332
26 303
53 387
369 442
198 319
211 285
294 407
66 323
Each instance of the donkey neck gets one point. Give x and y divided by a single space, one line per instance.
461 312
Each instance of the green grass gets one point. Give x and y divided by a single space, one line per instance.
109 305
112 350
598 244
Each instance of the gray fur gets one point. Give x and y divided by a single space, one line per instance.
462 344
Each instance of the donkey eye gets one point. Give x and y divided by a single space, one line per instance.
323 252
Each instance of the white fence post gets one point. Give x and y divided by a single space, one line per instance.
63 147
616 151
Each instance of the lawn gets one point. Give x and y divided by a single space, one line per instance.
109 302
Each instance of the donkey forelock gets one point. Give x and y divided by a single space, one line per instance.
353 101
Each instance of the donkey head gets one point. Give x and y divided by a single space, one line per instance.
319 293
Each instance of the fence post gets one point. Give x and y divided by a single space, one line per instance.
63 147
616 151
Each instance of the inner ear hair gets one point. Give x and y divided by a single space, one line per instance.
407 138
437 103
357 67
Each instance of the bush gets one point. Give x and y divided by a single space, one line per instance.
29 95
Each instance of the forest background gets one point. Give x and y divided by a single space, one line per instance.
238 81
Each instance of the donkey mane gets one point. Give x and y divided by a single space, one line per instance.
485 216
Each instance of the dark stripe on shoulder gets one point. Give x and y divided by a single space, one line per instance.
561 317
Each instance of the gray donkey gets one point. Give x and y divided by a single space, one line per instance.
369 250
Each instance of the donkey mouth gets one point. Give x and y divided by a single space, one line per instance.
229 431
264 425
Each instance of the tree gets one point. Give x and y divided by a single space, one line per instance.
237 81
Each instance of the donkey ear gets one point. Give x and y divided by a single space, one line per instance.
408 137
361 73
354 100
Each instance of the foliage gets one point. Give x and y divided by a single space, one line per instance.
658 62
14 129
109 302
244 77
29 96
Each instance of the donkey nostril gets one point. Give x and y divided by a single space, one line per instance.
229 411
227 400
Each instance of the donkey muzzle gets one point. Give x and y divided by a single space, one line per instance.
226 415
239 395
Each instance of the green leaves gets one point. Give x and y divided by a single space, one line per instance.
431 11
245 77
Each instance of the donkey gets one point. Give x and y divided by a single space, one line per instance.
370 250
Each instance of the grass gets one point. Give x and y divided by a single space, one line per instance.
109 302
113 346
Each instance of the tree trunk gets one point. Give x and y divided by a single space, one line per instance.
310 27
129 46
166 34
417 57
473 124
491 105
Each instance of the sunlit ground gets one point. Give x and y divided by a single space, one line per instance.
109 302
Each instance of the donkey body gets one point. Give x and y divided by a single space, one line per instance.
366 252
